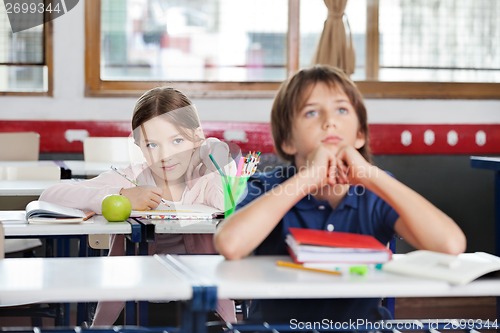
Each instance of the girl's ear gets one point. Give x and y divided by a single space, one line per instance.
199 136
360 140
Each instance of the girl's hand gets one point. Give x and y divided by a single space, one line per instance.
352 168
143 197
193 164
219 151
201 164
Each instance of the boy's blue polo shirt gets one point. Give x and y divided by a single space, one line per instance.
360 211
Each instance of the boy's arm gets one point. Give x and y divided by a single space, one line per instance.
244 230
421 223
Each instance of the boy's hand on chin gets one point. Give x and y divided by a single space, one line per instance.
352 167
320 167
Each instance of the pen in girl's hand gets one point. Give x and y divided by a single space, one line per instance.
124 176
163 201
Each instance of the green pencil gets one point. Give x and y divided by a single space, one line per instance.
224 177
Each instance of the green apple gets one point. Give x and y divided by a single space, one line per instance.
116 208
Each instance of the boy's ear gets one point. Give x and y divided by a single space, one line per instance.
360 140
288 147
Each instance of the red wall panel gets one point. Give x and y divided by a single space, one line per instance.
385 138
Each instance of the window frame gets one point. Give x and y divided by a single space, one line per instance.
370 88
48 56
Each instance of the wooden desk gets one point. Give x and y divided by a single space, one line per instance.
82 169
78 168
15 224
258 277
156 226
17 188
32 280
139 278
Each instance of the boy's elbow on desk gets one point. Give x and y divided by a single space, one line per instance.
454 245
228 246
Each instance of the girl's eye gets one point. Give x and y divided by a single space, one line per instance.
178 141
151 145
311 113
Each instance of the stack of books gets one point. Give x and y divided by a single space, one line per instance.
321 246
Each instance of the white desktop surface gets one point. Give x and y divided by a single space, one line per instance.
14 188
91 169
78 168
30 280
15 224
185 226
258 277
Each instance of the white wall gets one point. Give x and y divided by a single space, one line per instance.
69 102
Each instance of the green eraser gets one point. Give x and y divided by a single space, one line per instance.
358 270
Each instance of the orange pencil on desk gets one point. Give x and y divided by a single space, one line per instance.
302 267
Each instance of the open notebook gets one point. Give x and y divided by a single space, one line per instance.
46 212
456 270
180 212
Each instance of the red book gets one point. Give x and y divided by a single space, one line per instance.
310 245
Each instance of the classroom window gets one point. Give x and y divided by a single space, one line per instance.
404 48
25 68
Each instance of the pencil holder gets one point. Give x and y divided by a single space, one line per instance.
234 189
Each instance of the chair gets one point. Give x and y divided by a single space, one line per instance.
19 146
24 146
111 149
38 172
26 247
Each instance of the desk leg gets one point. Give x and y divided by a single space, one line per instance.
130 313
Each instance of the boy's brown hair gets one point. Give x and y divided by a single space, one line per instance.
293 94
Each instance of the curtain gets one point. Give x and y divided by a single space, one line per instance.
334 47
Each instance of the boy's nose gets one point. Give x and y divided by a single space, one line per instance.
329 122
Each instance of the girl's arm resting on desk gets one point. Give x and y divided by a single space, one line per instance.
86 194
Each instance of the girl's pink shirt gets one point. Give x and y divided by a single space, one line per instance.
88 195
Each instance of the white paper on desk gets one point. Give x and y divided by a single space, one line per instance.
457 270
13 217
179 212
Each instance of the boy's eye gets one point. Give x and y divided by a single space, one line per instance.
343 110
151 145
311 113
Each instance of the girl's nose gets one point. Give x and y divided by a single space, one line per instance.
165 153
